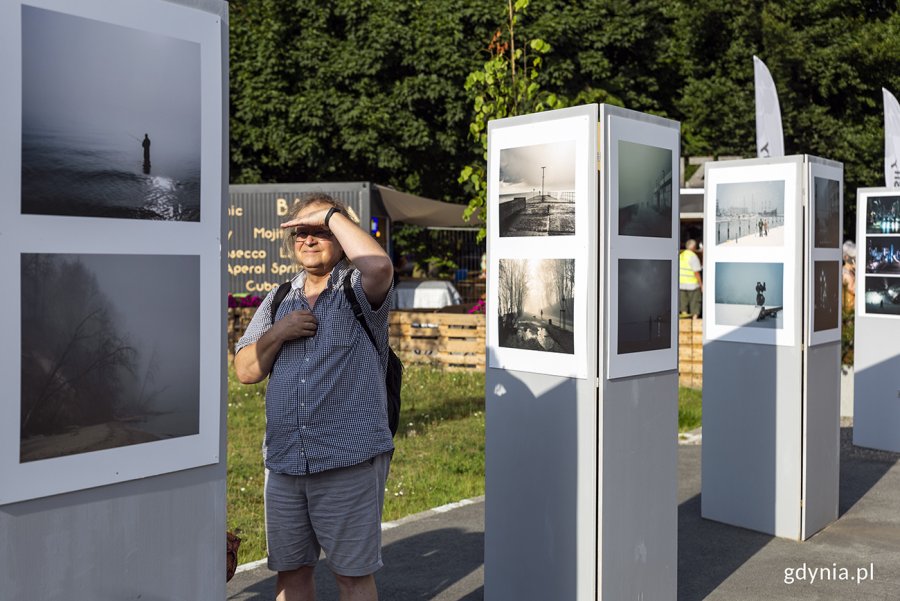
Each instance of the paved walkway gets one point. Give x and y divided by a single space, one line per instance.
439 555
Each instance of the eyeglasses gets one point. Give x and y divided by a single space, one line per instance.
301 234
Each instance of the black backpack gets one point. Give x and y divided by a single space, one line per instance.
394 376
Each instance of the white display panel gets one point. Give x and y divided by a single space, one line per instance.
823 239
641 232
878 254
541 180
750 253
129 232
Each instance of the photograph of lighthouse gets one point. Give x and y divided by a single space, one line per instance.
110 120
537 190
750 213
645 190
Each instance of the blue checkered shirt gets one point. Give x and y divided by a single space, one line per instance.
326 404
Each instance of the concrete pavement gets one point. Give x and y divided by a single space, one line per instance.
439 555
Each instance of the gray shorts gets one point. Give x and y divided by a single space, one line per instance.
338 511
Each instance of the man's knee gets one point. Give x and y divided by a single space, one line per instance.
357 587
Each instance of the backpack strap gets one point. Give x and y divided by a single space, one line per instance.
282 292
357 310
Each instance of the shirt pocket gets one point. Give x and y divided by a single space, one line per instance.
342 332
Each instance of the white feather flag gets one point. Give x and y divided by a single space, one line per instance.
769 136
891 140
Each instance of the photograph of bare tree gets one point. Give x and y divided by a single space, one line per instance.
106 363
827 212
110 120
537 190
826 296
645 305
645 190
535 304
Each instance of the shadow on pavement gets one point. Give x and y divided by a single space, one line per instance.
861 469
709 552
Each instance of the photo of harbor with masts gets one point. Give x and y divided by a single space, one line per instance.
750 213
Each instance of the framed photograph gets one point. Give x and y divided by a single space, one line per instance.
750 213
645 190
878 251
882 295
110 119
641 304
104 363
537 190
826 295
750 295
541 187
882 255
111 248
750 289
823 246
883 214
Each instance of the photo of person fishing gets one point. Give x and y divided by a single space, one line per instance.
90 112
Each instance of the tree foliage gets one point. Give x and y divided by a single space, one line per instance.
400 92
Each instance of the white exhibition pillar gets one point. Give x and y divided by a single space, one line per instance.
771 344
876 395
581 383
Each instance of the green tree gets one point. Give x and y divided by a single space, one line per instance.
505 86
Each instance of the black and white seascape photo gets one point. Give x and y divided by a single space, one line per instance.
535 304
828 216
645 190
108 358
645 305
537 190
110 120
750 213
750 295
826 292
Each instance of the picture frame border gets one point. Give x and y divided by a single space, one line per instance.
863 196
52 234
789 170
660 134
578 124
834 172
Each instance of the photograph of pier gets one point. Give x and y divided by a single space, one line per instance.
827 196
883 254
537 190
645 190
826 295
535 304
750 213
645 305
883 215
750 295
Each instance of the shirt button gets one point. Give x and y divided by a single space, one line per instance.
303 381
303 426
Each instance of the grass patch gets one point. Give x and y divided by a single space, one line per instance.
690 409
439 455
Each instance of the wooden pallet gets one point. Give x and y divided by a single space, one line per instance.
690 352
445 340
